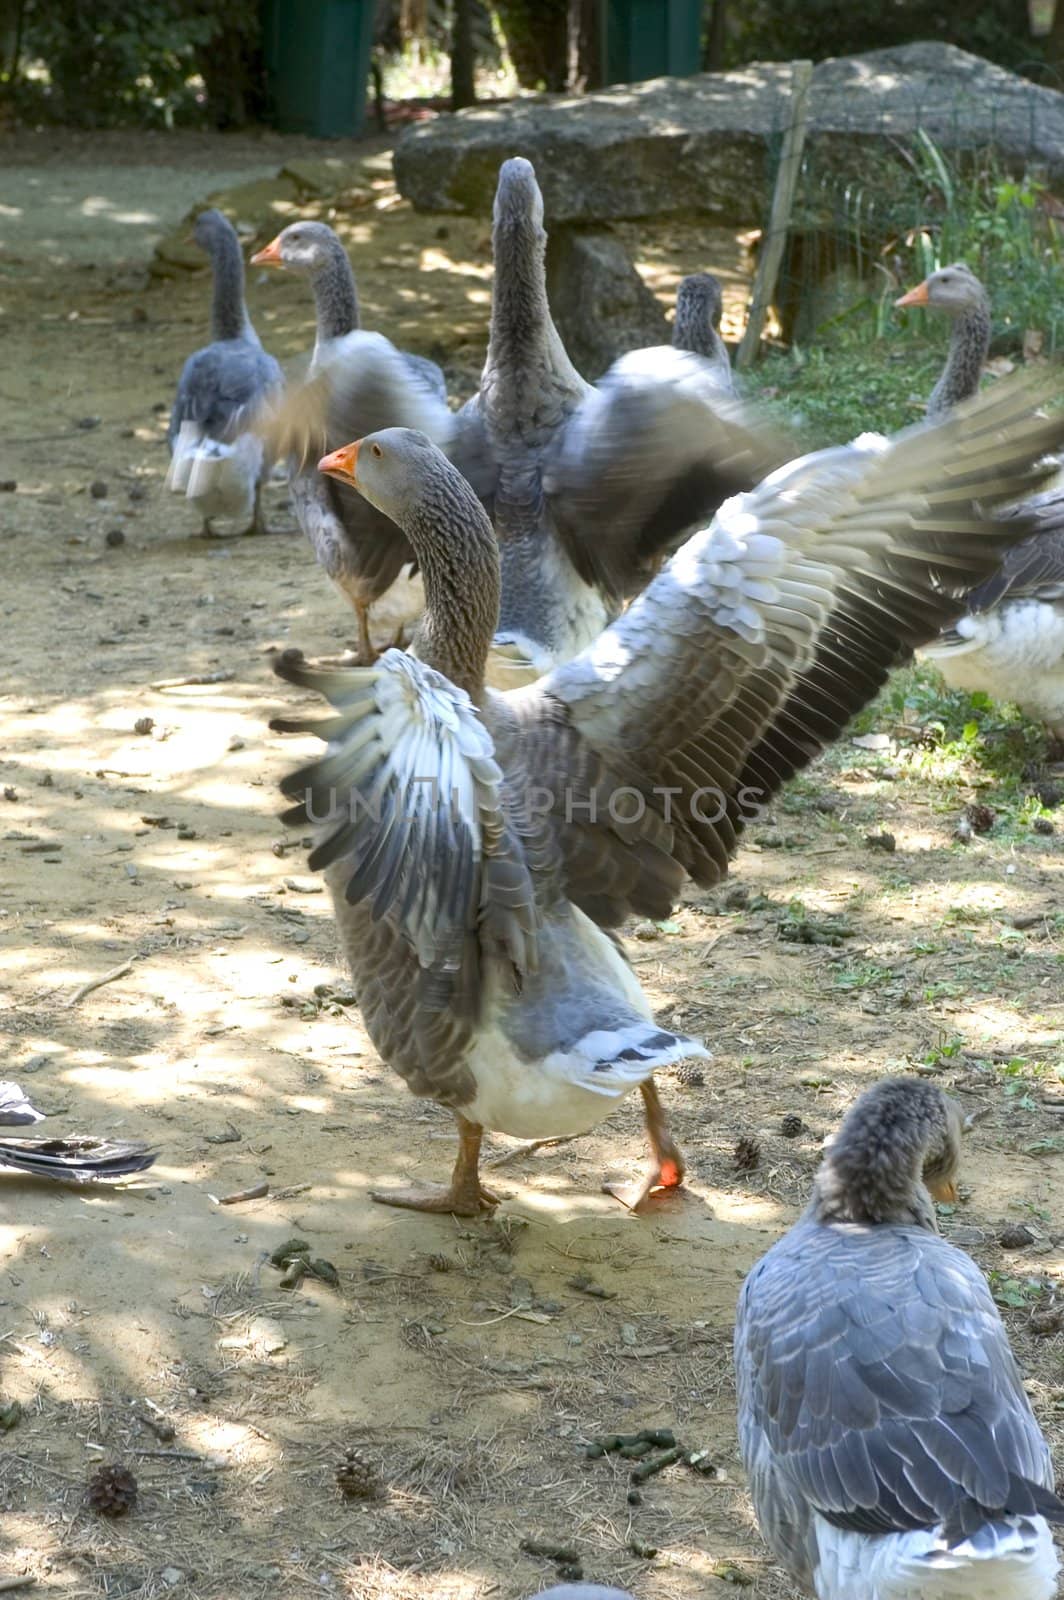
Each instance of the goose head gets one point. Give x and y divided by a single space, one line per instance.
897 1150
389 468
210 229
518 197
302 247
699 297
955 290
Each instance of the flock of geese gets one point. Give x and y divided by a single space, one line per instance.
641 615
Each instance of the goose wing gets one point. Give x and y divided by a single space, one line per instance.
358 384
410 799
877 1386
648 454
1033 570
221 388
760 639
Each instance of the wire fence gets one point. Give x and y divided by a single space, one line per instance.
940 170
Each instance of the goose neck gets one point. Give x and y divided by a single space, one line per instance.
968 348
459 559
229 317
335 295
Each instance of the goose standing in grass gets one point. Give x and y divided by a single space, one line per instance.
891 1449
478 845
695 327
364 383
1010 643
217 460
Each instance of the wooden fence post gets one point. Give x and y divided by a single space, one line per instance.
771 257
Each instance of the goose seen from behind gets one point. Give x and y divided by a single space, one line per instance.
891 1449
218 459
1009 644
480 846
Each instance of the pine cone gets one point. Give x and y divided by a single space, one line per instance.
980 817
112 1491
690 1074
791 1125
747 1154
357 1477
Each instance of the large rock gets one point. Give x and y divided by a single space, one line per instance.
600 304
708 144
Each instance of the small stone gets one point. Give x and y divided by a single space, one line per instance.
1043 825
235 742
137 491
98 489
1014 1236
791 1125
963 831
881 841
88 423
114 537
172 1576
8 485
144 725
10 792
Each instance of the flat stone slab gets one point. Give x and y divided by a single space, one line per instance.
709 144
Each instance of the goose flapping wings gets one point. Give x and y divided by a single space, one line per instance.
635 763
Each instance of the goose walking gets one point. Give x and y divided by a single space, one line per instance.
363 383
1010 642
891 1449
218 460
478 845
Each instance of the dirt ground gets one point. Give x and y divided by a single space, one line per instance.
469 1362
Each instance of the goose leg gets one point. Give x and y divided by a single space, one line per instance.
667 1169
464 1196
367 653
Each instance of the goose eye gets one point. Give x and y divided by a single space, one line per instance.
376 449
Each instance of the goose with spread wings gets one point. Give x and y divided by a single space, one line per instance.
891 1450
480 846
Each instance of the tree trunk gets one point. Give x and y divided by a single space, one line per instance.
463 57
537 39
585 46
716 39
1055 41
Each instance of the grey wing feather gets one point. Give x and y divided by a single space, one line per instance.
650 453
222 386
876 1383
1033 570
414 817
764 635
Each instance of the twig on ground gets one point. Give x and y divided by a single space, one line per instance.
97 983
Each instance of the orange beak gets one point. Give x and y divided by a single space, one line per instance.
944 1189
342 464
916 297
269 255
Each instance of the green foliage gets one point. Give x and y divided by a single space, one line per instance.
782 30
131 60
